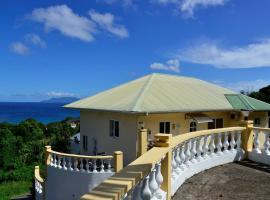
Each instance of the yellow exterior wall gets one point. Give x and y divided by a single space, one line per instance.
95 125
151 121
264 124
262 115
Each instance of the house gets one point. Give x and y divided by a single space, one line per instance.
160 103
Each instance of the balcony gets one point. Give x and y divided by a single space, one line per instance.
161 171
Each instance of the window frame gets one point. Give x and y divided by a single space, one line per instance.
192 128
166 124
215 123
259 119
85 143
114 128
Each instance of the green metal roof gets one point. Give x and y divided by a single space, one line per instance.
243 102
159 93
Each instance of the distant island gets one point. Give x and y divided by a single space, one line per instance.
63 100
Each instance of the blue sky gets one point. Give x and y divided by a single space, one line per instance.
78 48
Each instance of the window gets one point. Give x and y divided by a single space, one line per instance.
193 126
114 128
257 121
217 123
164 127
85 143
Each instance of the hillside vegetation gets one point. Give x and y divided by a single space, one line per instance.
22 147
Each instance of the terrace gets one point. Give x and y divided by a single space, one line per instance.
157 173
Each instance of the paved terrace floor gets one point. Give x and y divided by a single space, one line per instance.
245 180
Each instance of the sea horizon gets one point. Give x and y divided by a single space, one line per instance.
15 112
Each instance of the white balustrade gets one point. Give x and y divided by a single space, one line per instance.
38 187
226 142
205 146
212 145
266 144
150 186
189 157
78 163
219 144
193 150
261 145
256 141
232 143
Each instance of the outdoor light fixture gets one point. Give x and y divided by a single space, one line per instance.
245 113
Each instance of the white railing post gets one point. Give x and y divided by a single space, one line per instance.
256 141
226 142
183 156
266 143
238 141
219 144
193 150
146 192
232 143
212 145
199 148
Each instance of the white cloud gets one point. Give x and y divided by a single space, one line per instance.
63 19
35 40
171 65
19 48
189 6
247 86
60 94
249 56
107 22
124 3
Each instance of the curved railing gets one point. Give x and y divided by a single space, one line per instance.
39 184
158 173
261 144
78 163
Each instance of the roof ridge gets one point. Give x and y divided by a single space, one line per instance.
143 91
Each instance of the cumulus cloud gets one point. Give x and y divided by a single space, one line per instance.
171 65
124 3
63 19
107 22
189 6
249 56
34 39
19 48
60 94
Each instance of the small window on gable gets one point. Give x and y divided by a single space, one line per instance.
85 143
114 128
257 121
164 127
193 126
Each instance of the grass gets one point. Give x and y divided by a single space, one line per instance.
12 189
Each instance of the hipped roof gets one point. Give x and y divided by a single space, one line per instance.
157 93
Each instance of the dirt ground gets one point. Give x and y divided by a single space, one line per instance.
245 180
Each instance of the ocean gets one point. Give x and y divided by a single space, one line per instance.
15 112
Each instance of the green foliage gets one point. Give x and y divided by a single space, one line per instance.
22 146
11 189
263 94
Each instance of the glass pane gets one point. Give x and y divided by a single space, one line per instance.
161 127
219 123
111 131
116 130
168 127
211 125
